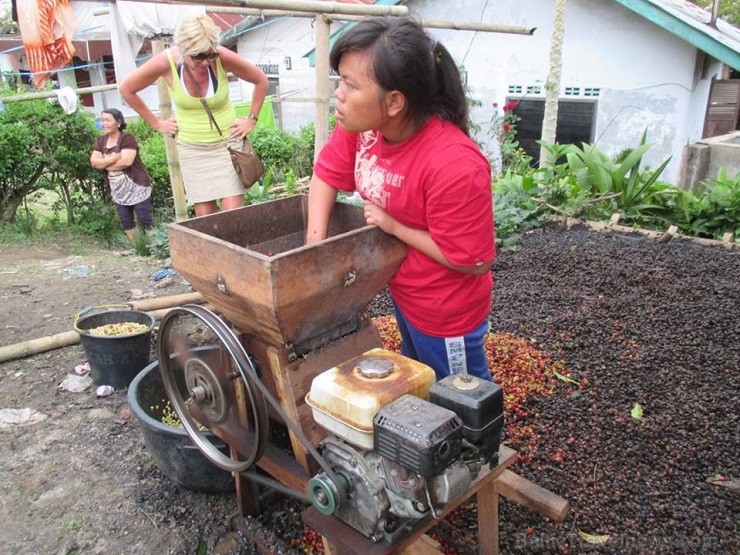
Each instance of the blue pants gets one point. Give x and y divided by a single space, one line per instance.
464 354
143 211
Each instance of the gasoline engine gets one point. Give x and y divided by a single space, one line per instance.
401 447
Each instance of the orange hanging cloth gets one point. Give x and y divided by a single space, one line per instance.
46 28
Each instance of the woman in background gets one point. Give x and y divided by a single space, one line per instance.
117 154
402 142
196 68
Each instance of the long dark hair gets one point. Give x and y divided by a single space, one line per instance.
117 115
406 59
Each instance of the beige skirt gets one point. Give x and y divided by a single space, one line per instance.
207 172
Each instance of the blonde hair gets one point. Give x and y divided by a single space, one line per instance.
197 35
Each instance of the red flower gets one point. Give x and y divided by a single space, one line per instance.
495 104
509 106
506 127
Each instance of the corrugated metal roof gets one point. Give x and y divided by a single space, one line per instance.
311 54
679 17
691 23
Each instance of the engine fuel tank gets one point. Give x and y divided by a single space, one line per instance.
480 405
346 398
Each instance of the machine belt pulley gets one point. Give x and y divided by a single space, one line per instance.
199 384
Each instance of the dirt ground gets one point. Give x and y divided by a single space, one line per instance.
642 322
81 480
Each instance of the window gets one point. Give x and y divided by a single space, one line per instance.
269 69
575 123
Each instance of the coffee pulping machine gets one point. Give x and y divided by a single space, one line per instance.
373 440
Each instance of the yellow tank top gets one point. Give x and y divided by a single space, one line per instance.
194 125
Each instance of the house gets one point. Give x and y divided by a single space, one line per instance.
93 64
628 66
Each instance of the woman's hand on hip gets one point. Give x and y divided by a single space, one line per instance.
167 126
241 128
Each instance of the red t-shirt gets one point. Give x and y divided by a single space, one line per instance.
437 180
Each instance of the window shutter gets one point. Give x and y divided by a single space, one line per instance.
722 108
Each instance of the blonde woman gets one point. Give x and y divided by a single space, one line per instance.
196 67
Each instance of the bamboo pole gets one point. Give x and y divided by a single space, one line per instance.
67 338
664 235
323 84
40 345
53 94
428 23
170 146
312 6
167 302
552 90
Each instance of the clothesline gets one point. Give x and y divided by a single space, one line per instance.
286 96
69 68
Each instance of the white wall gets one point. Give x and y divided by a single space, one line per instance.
646 76
270 44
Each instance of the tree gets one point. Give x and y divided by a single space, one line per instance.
69 172
729 10
552 88
42 147
7 25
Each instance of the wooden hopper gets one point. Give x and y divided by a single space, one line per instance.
253 266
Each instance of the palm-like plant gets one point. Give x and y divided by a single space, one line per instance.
632 188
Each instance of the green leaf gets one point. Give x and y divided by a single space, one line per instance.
594 539
637 411
564 378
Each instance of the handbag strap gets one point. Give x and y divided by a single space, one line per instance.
203 101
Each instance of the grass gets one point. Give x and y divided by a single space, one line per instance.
66 241
71 524
38 229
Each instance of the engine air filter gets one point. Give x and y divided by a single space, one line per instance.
417 435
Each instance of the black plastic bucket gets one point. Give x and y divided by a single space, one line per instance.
173 451
116 360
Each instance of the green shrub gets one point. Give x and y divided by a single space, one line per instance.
154 157
99 219
40 147
711 213
159 242
720 210
515 208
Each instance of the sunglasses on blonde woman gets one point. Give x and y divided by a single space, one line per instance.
210 56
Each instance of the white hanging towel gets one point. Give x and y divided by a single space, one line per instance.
134 22
68 99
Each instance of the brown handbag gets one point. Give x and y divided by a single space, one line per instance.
247 163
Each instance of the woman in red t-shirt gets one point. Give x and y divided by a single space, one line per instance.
402 143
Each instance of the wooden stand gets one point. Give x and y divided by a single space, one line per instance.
341 539
289 382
